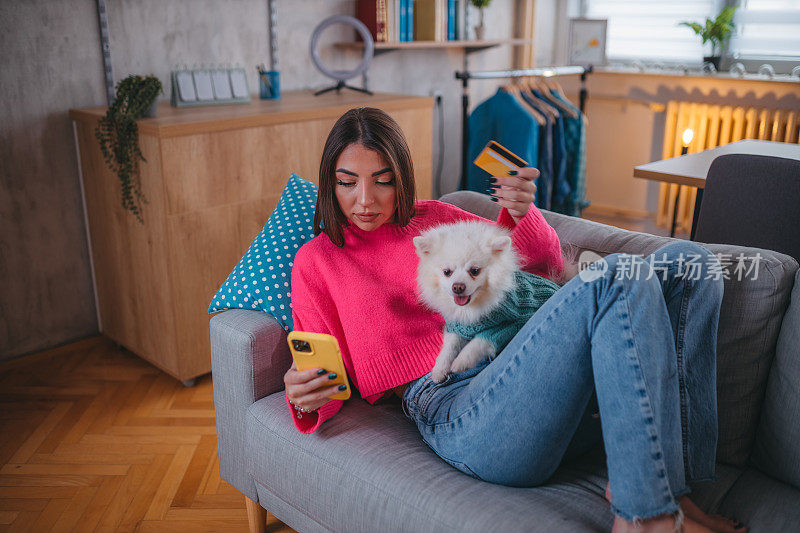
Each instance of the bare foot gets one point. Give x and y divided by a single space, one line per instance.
717 523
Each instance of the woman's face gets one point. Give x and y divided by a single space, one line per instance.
365 185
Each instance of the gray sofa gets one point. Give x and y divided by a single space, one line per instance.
367 469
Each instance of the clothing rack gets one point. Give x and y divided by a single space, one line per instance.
466 75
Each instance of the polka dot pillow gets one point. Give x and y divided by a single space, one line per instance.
260 280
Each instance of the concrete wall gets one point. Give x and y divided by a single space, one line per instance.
51 62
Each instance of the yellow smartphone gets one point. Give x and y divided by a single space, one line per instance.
319 350
497 160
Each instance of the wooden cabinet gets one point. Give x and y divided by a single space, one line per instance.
212 177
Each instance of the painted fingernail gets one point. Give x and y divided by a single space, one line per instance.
321 371
494 199
332 375
512 172
492 180
342 387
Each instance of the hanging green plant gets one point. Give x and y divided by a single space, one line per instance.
118 135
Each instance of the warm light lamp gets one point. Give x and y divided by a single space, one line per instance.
687 139
688 134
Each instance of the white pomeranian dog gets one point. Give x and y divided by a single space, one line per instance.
469 273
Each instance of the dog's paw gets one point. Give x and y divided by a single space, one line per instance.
439 374
461 364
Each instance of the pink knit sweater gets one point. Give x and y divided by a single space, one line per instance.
365 294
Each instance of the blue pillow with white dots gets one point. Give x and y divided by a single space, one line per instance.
260 280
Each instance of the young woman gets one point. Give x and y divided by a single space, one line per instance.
640 349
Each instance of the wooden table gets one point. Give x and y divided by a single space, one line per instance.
692 169
212 177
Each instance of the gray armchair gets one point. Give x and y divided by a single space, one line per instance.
367 468
752 200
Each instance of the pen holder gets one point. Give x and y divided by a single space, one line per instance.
269 85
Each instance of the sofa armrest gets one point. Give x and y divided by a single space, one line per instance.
249 356
776 451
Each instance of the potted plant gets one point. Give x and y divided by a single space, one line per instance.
118 134
480 28
715 31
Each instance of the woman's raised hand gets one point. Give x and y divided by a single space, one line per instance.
516 192
309 389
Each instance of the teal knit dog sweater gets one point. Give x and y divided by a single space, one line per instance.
527 295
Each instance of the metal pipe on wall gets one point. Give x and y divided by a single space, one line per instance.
273 34
105 46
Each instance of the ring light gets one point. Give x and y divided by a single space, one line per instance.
342 75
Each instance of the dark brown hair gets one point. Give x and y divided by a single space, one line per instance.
377 131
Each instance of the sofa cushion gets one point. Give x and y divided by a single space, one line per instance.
260 280
777 447
759 501
762 503
750 318
369 467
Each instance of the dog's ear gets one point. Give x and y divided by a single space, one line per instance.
423 245
500 244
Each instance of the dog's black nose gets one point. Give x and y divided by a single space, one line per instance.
458 288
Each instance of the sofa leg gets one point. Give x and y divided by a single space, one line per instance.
256 516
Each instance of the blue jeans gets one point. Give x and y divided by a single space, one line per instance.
643 346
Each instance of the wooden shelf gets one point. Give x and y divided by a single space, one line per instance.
292 106
468 46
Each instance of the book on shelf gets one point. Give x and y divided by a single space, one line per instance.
403 19
451 20
373 14
411 34
458 17
391 19
412 20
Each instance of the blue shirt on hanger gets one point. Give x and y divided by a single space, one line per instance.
544 186
561 186
575 135
503 119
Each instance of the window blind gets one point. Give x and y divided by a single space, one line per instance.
769 28
648 29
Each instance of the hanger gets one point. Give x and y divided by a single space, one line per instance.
552 111
553 101
555 87
515 91
540 118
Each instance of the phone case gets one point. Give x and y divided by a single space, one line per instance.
497 161
324 354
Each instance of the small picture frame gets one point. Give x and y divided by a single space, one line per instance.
198 87
587 41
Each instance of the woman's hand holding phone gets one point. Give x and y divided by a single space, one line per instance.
309 388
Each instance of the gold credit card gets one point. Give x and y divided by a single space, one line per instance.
497 160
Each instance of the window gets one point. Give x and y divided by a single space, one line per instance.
648 29
767 29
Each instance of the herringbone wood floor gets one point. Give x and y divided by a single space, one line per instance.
92 438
